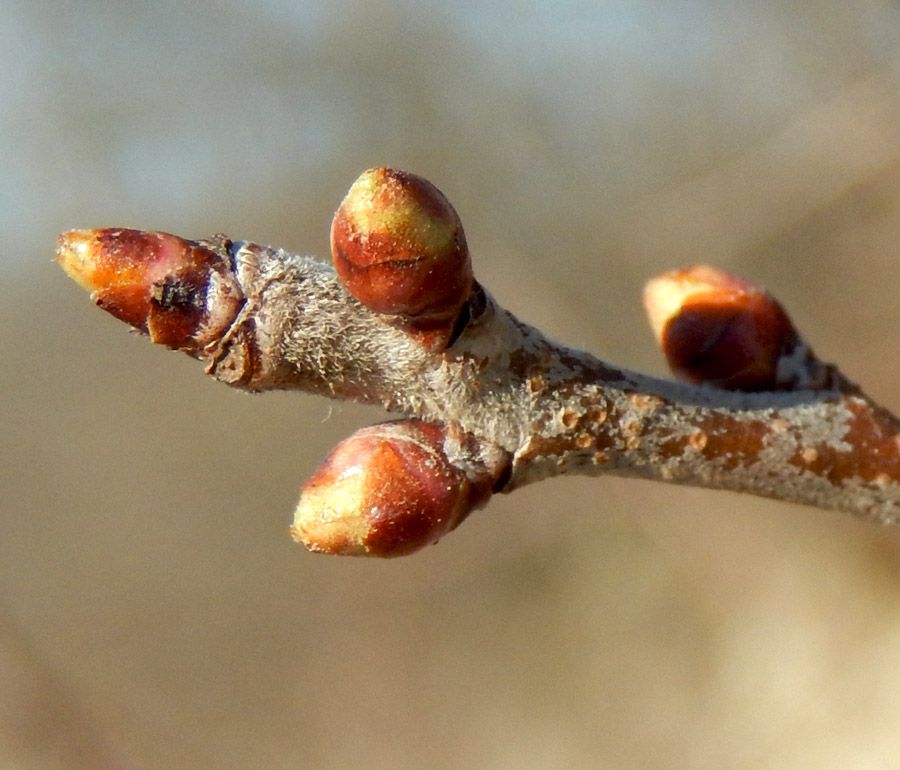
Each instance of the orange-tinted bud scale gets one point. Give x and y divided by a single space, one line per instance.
717 329
399 248
387 490
156 282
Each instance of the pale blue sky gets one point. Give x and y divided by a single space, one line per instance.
150 110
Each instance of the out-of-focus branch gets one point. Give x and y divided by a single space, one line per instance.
506 406
42 725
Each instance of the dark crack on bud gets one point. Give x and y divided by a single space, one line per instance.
174 293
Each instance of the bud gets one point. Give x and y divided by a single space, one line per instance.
717 329
389 490
399 248
182 293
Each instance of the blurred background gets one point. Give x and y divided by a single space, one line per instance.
155 613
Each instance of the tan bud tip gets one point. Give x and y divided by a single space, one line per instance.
717 329
75 252
387 490
175 290
399 248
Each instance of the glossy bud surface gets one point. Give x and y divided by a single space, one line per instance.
399 248
387 490
717 329
181 293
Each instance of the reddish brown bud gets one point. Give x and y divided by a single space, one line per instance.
399 248
717 329
390 490
182 293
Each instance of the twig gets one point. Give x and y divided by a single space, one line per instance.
513 406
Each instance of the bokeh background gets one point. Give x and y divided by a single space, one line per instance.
154 612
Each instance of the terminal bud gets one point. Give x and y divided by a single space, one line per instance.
182 293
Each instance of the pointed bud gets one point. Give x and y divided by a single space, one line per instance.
391 489
182 293
717 329
399 248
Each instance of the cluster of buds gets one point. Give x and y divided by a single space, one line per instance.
723 331
400 255
399 249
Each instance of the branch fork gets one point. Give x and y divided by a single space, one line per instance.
487 403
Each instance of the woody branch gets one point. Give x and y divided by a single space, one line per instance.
490 403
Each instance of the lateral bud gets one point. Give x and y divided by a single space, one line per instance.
392 489
182 293
720 330
399 248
